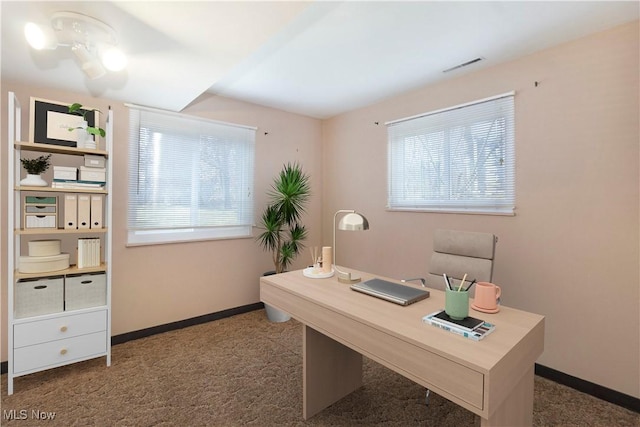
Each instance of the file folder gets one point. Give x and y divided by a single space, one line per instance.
84 209
70 211
96 211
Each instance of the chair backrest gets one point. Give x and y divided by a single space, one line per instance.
457 253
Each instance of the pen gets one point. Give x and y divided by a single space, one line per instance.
446 281
469 287
462 283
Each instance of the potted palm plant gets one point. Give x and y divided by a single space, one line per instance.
283 232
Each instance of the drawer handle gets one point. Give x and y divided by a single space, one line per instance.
63 351
63 329
86 282
40 287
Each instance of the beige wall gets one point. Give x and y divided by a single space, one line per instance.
571 252
155 285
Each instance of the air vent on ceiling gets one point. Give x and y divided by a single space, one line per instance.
464 64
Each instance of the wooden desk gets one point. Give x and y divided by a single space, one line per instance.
492 378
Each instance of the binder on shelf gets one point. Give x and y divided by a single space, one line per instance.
88 252
70 211
96 211
84 211
80 261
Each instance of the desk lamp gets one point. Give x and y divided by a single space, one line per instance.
351 222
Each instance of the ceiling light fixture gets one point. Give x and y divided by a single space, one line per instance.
93 42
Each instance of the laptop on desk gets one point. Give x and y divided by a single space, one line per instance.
393 292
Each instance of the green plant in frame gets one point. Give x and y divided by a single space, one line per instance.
76 108
283 233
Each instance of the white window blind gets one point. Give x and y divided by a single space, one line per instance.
189 178
459 159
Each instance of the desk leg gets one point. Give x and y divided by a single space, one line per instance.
517 409
330 371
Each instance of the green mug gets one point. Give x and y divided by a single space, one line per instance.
456 304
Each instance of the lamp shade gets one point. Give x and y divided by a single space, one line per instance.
353 222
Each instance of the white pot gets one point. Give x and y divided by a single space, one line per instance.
33 181
81 134
275 315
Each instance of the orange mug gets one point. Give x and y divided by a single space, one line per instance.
487 295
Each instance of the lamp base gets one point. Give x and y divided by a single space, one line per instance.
348 278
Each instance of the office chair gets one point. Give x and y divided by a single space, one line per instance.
457 253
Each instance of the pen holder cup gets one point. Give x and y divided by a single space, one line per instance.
456 304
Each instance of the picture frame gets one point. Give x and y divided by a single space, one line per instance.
49 122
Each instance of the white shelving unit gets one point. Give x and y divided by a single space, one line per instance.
40 342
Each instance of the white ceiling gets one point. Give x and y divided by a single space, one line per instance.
313 58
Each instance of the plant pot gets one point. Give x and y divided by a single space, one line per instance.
273 314
33 181
81 134
276 316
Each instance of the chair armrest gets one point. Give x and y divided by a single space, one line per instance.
422 280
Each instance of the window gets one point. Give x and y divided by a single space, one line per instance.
189 178
460 159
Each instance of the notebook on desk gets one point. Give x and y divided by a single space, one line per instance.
393 292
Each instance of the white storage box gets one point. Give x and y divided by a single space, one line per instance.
65 172
35 297
93 174
93 161
85 290
40 221
43 264
44 247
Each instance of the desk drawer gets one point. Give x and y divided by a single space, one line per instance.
60 352
41 331
453 380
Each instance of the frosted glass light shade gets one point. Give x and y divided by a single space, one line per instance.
114 59
40 37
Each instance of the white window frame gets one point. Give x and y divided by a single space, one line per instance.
139 233
432 168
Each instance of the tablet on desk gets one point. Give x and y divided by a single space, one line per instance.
468 323
393 292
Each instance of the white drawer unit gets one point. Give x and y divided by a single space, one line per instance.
40 212
41 344
59 327
58 353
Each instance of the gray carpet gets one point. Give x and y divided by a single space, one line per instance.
245 370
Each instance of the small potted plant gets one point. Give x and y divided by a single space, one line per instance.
84 139
34 168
